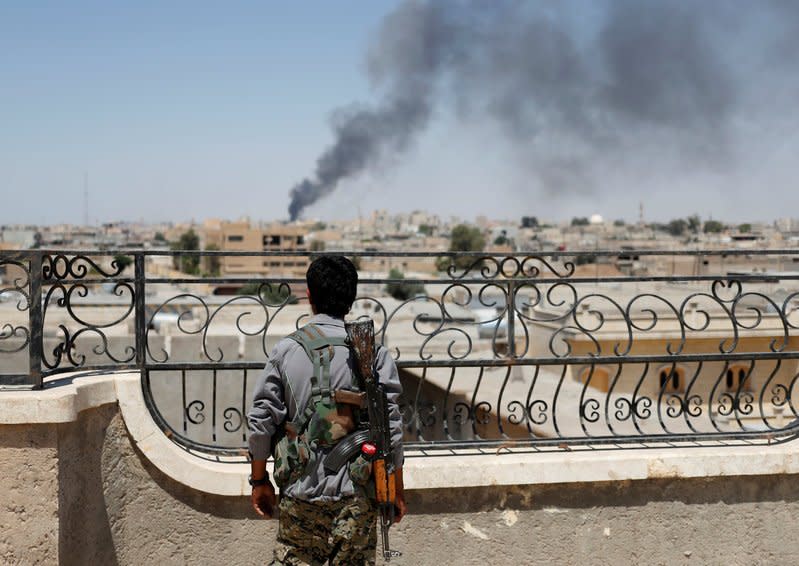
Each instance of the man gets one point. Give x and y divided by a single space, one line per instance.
324 516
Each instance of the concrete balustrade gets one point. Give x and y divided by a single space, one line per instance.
88 478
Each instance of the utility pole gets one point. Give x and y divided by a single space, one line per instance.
85 198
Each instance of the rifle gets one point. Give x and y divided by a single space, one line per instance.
361 337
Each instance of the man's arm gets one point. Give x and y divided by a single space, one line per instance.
268 411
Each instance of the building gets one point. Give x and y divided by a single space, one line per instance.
243 236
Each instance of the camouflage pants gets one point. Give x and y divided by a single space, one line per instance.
343 532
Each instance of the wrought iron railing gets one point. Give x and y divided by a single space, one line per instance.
527 350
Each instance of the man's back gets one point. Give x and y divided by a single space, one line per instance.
284 389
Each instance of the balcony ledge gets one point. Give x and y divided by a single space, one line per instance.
64 402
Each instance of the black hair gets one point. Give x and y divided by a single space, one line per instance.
333 282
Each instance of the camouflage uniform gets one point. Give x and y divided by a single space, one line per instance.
343 532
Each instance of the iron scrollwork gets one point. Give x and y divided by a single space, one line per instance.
519 349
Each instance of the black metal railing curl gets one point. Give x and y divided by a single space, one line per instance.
523 350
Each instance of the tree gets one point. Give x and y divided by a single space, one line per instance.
529 222
713 227
677 227
502 239
271 294
188 241
426 229
745 228
122 261
694 223
464 238
317 246
159 237
402 291
580 221
212 264
618 223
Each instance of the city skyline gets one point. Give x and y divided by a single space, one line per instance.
178 113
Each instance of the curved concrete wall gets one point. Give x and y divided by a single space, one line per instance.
81 491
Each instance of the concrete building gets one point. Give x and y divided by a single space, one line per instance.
244 236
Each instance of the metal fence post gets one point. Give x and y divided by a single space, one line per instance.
36 321
139 314
511 318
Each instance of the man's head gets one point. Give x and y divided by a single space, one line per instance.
332 284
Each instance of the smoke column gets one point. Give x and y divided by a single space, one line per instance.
573 85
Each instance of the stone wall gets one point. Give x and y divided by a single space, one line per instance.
732 520
28 494
84 491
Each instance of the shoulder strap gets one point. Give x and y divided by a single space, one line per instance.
319 349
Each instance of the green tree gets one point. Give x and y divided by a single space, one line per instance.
464 238
272 294
502 239
123 261
402 290
713 227
619 223
188 241
745 228
426 229
694 223
580 221
159 237
529 222
677 227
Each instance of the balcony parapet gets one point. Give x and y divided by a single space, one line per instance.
463 468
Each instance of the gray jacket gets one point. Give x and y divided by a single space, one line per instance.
283 389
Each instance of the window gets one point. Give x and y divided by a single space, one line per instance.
235 238
671 380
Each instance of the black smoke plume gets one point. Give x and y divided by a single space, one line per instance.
573 85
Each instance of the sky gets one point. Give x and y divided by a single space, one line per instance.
178 110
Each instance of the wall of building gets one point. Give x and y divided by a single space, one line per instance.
28 494
83 492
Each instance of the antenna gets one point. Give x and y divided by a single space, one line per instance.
85 198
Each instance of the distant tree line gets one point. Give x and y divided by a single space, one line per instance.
693 225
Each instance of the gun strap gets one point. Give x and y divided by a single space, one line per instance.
320 350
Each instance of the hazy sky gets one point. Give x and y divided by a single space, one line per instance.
195 109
